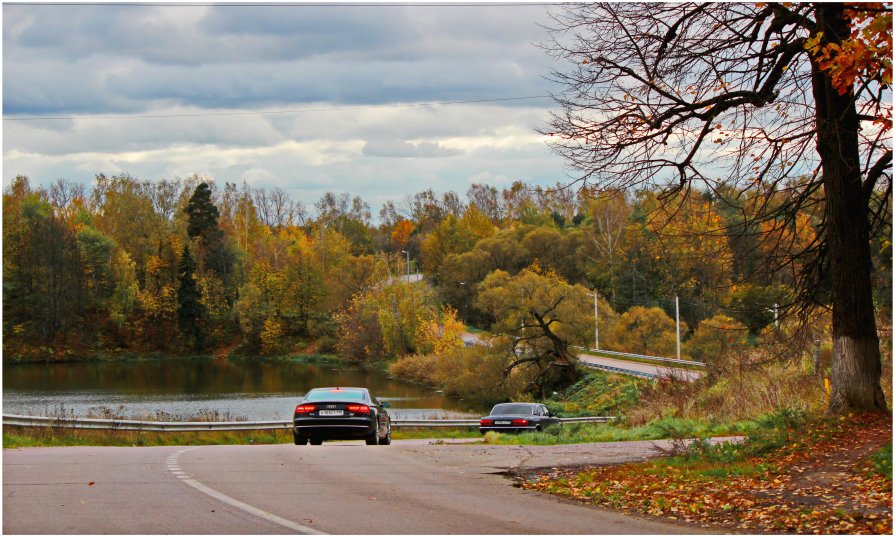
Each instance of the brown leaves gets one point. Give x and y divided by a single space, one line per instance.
812 485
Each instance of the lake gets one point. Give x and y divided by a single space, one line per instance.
255 389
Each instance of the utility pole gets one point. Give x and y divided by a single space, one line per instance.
677 318
408 264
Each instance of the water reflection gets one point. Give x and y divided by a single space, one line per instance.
253 389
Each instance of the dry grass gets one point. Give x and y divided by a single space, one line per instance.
736 397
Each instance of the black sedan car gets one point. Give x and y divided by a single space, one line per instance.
341 414
518 417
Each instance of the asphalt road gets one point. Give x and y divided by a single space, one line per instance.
660 370
409 487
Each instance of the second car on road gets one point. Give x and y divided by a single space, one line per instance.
518 417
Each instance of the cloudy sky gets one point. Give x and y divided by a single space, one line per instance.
306 98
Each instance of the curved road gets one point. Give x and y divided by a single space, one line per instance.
410 487
653 369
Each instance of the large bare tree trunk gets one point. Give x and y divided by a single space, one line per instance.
856 356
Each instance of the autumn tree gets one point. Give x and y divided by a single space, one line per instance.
386 319
123 210
487 199
544 317
686 97
648 331
608 213
42 277
400 234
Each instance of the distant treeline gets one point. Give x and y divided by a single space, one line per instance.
187 265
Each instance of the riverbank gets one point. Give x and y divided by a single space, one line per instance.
14 353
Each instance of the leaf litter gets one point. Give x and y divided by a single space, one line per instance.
820 482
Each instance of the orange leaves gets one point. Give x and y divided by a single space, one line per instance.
865 54
401 234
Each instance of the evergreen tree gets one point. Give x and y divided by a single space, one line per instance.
202 223
190 309
202 215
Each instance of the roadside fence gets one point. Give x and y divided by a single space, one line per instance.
645 357
188 426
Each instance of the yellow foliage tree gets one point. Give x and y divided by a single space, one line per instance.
646 331
439 336
271 336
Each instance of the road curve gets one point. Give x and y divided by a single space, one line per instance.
653 369
338 488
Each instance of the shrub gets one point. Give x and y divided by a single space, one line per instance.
474 374
717 342
881 461
646 331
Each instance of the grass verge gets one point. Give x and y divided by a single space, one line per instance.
585 433
19 437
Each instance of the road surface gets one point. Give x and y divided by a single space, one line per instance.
660 370
409 487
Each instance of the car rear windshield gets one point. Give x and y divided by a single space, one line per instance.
512 409
335 395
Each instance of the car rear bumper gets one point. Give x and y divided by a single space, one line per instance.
334 428
504 429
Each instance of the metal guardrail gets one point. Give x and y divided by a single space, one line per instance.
647 357
194 426
620 370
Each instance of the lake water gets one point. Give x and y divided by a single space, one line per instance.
251 389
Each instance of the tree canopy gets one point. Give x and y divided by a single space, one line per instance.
782 108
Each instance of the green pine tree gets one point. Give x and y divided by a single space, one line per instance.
190 311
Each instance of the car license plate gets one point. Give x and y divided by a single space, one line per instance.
502 423
331 413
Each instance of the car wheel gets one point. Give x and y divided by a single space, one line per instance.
386 440
538 429
316 441
372 440
300 440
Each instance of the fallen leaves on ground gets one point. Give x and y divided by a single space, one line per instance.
817 484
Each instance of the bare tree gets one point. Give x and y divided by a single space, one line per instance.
701 96
63 193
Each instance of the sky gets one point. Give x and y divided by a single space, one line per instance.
308 98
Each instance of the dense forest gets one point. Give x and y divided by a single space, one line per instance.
187 266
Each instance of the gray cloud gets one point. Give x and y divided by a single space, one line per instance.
401 149
133 57
362 64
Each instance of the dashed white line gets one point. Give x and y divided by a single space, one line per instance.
175 469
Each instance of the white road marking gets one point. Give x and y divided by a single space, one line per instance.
175 469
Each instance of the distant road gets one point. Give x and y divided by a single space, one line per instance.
343 488
659 370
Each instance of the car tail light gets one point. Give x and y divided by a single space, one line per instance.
304 409
360 409
520 422
485 423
